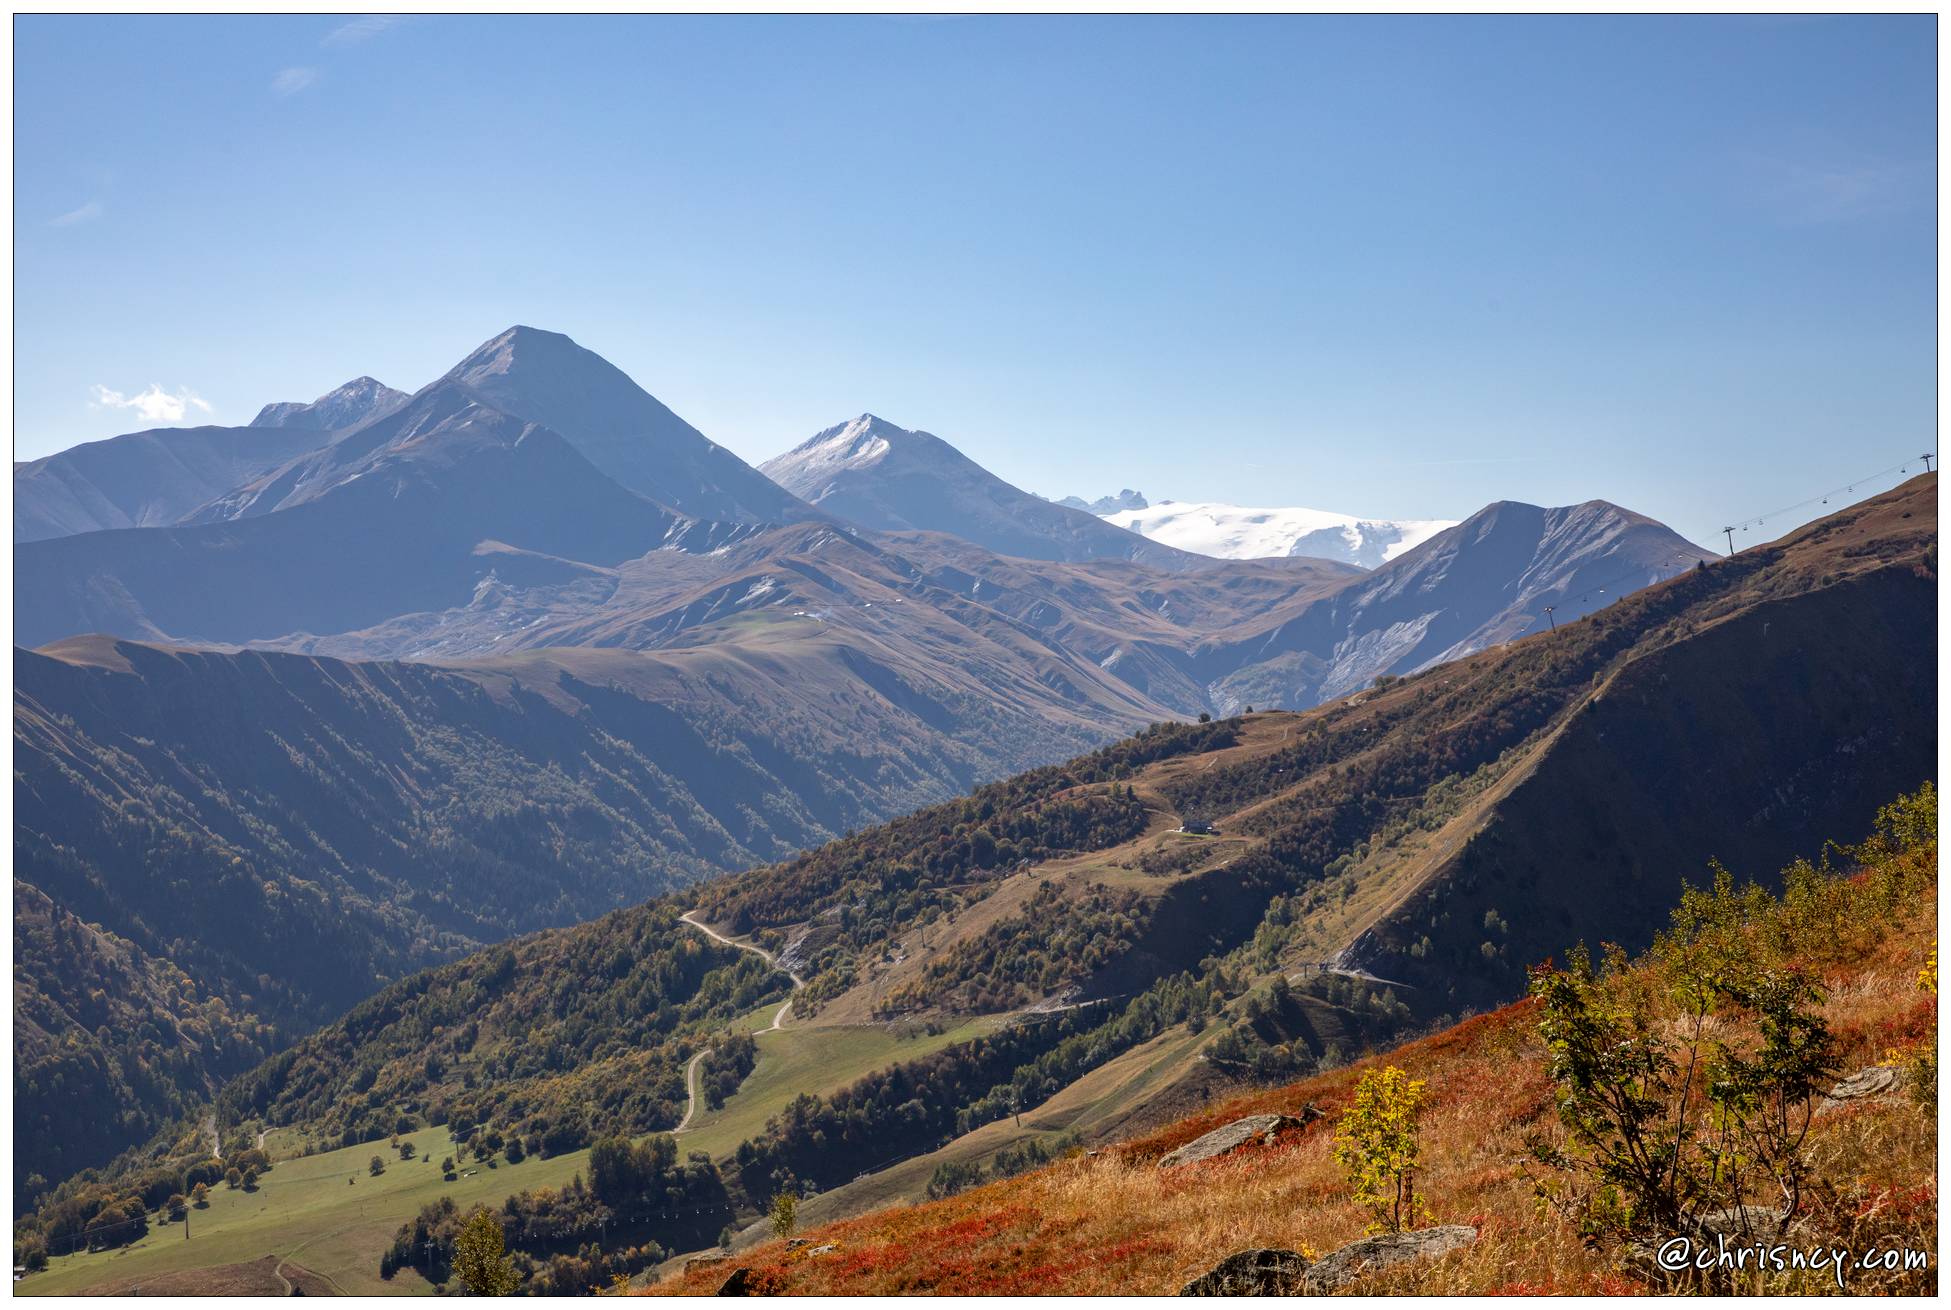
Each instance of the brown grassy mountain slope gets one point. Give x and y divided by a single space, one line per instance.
1740 731
1114 1221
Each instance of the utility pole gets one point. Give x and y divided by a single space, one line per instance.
1927 457
1730 539
1554 622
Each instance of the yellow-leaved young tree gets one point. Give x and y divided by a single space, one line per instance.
478 1259
785 1214
1375 1144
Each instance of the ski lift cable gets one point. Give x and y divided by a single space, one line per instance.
1847 488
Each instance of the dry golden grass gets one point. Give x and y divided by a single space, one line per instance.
1113 1222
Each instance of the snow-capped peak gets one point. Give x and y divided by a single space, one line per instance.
857 443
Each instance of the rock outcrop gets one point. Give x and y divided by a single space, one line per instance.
1259 1129
1339 1268
1263 1271
1877 1080
1272 1271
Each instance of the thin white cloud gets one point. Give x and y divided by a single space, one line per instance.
155 405
362 29
290 81
87 213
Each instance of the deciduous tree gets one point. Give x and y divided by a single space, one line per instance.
479 1261
1375 1144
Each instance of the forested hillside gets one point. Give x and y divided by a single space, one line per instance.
290 833
872 885
555 1039
110 1043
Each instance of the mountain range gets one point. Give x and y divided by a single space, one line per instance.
354 684
502 507
1225 531
1640 692
306 729
1085 948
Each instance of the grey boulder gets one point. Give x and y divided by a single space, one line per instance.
1339 1268
1877 1080
1263 1271
1271 1271
1254 1129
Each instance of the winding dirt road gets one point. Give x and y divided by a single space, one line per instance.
778 1019
690 1091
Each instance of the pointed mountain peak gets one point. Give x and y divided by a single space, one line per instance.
868 424
522 333
895 479
342 407
522 348
858 443
544 377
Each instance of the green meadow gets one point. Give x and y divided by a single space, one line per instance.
812 1059
326 1213
322 1211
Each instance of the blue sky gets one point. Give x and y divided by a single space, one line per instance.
1396 267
